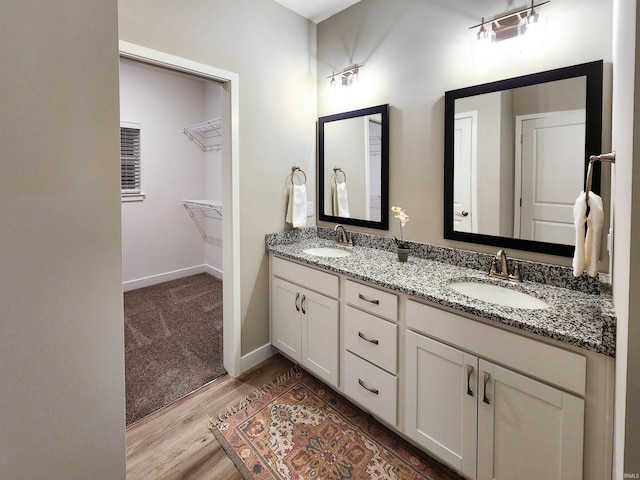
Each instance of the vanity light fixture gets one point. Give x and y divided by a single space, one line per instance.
525 23
345 78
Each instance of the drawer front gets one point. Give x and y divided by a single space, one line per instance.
546 362
372 300
316 280
371 387
371 338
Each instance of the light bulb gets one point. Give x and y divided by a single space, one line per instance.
532 31
355 77
482 45
333 83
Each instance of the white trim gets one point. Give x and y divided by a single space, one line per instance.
216 272
162 277
473 115
231 192
258 356
132 197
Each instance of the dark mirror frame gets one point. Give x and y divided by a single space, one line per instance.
593 142
383 224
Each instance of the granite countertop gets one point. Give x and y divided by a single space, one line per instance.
586 320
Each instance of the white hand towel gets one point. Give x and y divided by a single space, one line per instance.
343 200
579 219
595 220
334 200
297 206
289 214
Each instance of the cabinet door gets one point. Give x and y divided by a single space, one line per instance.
320 335
526 429
441 401
286 317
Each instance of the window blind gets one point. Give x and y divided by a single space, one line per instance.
130 160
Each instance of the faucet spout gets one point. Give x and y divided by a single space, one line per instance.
501 259
342 236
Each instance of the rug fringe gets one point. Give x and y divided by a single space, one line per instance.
248 399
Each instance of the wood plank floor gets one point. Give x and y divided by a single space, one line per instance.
175 442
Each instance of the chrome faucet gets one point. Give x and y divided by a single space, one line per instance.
342 236
501 257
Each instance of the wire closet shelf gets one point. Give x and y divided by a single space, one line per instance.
200 210
206 134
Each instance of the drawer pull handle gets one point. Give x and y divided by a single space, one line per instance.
304 299
364 337
485 399
297 299
370 389
469 373
370 300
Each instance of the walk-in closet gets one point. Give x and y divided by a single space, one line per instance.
172 139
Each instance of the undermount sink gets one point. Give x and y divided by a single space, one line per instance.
326 252
491 293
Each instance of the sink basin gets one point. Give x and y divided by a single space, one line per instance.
506 297
326 252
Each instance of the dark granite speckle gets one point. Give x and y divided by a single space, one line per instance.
579 313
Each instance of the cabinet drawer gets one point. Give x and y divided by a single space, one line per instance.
372 300
321 282
371 387
371 338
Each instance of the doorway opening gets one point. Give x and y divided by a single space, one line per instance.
229 190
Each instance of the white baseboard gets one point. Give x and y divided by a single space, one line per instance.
165 277
256 357
216 272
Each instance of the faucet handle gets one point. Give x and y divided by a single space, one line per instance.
516 272
494 267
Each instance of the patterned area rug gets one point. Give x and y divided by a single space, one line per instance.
297 428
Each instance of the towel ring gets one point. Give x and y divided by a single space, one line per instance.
295 169
336 171
604 157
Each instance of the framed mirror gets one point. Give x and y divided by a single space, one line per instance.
516 157
353 167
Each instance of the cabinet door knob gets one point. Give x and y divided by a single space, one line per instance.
485 399
365 338
297 299
469 373
370 389
370 300
304 298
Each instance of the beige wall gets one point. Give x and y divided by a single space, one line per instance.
273 51
626 257
61 319
413 51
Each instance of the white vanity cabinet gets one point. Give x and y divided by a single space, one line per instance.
371 349
491 401
441 412
472 389
305 317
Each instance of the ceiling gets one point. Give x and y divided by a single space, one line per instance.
317 10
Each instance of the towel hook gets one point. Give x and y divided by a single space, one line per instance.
337 170
603 157
295 169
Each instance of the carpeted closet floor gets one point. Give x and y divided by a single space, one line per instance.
173 341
